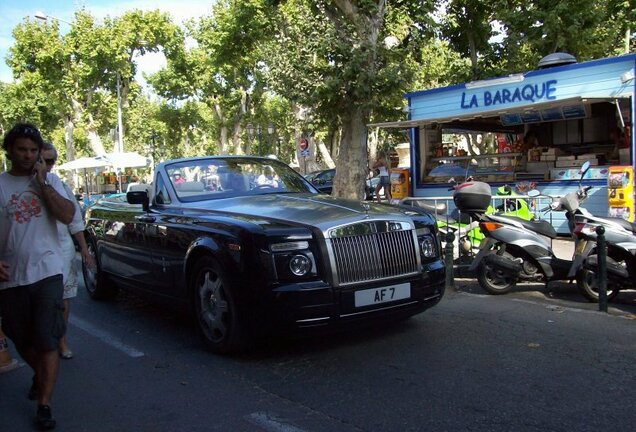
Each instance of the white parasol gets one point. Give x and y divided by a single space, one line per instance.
123 160
82 163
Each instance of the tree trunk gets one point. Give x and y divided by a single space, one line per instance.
324 153
223 145
349 181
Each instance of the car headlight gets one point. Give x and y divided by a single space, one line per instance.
293 261
428 247
300 265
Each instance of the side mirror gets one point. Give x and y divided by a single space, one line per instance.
533 193
139 197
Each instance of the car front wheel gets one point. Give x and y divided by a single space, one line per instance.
217 318
95 281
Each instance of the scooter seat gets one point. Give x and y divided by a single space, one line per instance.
629 226
542 227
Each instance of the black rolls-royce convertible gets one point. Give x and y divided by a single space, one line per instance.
252 248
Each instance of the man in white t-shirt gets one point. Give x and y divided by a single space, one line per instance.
31 261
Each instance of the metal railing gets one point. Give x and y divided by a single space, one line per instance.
499 202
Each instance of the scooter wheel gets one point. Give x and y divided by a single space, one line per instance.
495 281
587 282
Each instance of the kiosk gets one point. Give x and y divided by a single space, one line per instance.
541 126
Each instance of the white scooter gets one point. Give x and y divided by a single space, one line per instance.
620 238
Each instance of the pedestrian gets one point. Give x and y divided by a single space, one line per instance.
383 172
66 234
31 264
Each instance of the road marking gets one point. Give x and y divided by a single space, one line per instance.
105 337
271 422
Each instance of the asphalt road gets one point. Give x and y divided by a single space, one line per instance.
533 360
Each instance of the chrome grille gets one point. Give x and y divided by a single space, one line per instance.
374 256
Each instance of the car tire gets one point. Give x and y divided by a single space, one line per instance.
95 280
216 315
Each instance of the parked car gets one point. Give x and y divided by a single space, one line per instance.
251 248
323 182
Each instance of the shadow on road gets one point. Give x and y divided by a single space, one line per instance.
560 291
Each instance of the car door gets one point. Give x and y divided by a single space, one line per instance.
123 251
167 241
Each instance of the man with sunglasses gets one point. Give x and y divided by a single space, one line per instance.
66 234
31 263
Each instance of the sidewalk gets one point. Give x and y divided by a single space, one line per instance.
558 294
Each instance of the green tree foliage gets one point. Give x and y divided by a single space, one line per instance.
325 68
467 25
586 29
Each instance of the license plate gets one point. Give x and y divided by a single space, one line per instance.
382 295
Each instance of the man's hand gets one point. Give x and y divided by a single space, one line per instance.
39 169
87 259
4 271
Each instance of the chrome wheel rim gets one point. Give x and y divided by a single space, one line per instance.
213 306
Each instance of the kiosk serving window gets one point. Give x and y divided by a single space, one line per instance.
547 142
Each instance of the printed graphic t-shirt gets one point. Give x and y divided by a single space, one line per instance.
28 231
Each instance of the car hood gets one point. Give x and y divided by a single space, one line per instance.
317 210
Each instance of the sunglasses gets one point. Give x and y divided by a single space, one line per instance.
50 161
29 130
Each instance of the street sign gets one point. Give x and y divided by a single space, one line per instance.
303 144
304 153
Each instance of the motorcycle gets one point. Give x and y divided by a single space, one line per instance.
516 250
620 238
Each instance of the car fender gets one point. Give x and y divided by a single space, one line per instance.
229 257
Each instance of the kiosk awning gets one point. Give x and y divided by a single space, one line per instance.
506 113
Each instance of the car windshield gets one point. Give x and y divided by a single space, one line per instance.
201 179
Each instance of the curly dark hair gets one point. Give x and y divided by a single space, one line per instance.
22 130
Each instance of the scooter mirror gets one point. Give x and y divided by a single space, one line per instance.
585 167
533 193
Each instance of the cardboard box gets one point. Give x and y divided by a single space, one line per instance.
574 163
539 167
566 158
552 151
586 156
596 173
548 158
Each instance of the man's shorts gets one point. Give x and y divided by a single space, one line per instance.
33 315
384 181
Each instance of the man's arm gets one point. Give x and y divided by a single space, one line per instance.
61 208
87 259
4 271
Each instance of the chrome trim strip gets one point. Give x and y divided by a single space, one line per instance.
312 320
